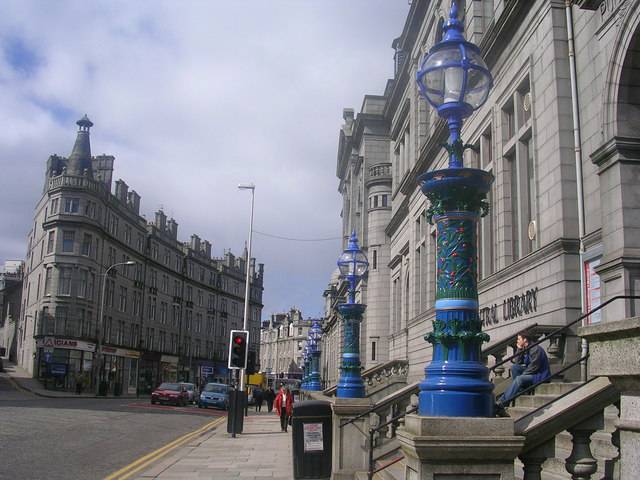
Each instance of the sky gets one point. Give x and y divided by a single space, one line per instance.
193 98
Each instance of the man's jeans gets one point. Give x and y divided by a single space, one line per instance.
518 383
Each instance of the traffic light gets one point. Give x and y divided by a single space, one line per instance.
238 344
251 363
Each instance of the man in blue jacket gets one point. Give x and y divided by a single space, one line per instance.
532 367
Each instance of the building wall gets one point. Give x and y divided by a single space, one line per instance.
282 342
529 245
171 311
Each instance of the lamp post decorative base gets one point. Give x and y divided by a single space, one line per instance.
350 384
456 383
313 382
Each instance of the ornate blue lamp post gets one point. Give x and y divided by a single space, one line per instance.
455 80
353 265
305 367
315 333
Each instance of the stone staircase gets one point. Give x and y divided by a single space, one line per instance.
555 400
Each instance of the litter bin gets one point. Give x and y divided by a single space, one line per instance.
311 436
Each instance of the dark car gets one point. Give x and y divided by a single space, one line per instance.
170 393
214 395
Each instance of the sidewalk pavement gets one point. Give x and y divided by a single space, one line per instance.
261 451
23 380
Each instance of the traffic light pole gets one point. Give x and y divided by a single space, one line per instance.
248 264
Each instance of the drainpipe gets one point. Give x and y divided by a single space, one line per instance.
577 147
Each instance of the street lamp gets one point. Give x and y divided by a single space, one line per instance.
315 334
455 80
252 187
100 324
305 365
353 265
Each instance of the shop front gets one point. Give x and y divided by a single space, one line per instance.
149 372
120 370
206 373
168 368
65 363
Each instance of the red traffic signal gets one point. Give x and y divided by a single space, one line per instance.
238 349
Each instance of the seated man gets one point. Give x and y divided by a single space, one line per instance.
530 368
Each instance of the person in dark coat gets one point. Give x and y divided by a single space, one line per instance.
531 367
269 397
258 398
284 407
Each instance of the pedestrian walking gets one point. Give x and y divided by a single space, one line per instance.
258 398
284 407
269 397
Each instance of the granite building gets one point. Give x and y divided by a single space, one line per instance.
282 341
561 234
10 303
165 318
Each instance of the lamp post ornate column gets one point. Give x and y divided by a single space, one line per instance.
455 433
455 80
305 367
315 334
353 265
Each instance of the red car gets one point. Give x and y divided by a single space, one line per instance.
170 393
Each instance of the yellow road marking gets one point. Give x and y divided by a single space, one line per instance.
146 460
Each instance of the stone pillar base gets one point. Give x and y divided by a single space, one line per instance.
349 444
459 448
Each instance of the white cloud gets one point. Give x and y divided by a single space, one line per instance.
193 98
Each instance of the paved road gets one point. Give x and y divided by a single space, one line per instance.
55 439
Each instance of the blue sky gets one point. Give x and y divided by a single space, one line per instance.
193 98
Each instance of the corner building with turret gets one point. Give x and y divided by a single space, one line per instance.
165 318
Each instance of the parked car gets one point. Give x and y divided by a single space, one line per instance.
170 393
214 395
191 391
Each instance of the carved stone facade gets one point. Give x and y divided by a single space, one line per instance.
542 259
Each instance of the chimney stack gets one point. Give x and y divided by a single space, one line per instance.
173 228
161 221
121 191
195 242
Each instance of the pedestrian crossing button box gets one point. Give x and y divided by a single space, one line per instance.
311 436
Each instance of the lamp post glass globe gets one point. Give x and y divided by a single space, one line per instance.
352 264
453 74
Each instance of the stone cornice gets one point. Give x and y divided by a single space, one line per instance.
617 149
561 246
428 154
398 217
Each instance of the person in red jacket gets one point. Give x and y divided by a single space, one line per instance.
284 406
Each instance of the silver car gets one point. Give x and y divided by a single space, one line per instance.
191 392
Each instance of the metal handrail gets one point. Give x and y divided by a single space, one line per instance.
378 406
565 327
372 431
546 380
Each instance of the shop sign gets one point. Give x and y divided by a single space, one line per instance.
512 307
58 369
169 359
204 370
68 343
120 352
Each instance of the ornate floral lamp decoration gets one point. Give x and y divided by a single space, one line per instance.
353 265
315 333
455 80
